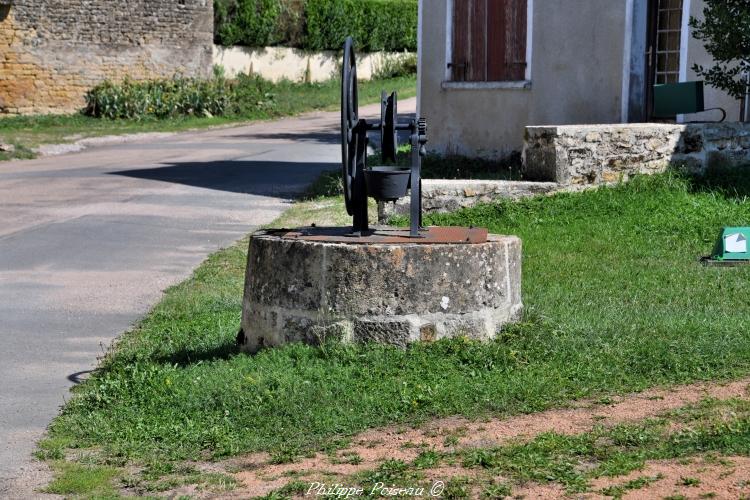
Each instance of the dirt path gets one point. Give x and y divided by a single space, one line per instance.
728 478
258 476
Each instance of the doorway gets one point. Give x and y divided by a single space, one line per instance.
663 46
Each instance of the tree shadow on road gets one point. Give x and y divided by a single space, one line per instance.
265 178
314 137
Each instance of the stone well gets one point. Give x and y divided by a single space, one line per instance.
311 287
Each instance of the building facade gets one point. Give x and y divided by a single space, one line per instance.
489 68
53 51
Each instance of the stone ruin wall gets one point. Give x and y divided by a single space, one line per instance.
585 155
53 51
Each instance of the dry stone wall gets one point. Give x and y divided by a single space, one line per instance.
581 155
448 195
53 51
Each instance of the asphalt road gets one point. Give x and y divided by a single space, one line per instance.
88 242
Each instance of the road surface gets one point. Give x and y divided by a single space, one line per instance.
88 242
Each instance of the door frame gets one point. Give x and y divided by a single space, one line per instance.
650 58
650 55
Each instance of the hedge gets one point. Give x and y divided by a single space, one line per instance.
374 24
318 24
246 22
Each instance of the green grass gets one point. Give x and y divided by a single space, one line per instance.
89 481
615 301
29 132
619 490
84 480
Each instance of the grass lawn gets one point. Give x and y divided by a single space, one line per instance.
615 298
28 132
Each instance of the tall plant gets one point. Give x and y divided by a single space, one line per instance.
725 32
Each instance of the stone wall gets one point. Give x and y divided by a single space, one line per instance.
581 155
278 63
53 51
447 195
572 157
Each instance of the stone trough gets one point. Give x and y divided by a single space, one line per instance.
313 284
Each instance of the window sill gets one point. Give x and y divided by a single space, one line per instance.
517 85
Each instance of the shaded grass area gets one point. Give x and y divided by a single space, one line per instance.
454 166
615 301
434 166
29 132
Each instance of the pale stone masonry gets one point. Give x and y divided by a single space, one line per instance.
447 195
573 157
581 155
53 51
299 290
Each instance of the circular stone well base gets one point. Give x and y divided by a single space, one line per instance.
301 286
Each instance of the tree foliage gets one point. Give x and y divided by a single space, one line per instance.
317 24
725 32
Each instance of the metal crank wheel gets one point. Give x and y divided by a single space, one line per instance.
349 123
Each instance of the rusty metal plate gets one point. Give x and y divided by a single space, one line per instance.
387 235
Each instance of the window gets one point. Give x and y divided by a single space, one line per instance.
668 20
489 41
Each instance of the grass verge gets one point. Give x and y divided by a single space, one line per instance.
705 433
615 301
29 132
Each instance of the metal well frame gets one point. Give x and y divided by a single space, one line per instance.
383 183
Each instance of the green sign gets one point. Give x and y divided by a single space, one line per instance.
733 244
678 99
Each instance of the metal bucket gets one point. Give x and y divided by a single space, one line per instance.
387 183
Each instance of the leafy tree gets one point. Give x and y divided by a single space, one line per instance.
725 32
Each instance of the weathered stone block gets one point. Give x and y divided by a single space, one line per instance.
303 290
389 332
445 195
601 154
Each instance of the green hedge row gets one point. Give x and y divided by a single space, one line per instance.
317 24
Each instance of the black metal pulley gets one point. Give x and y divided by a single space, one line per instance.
386 182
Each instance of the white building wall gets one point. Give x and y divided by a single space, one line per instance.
713 97
581 72
575 77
